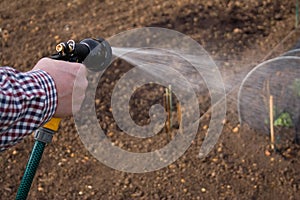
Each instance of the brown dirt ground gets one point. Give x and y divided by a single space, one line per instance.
239 167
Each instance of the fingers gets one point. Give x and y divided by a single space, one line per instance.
70 81
80 86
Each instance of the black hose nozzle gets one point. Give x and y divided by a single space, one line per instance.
96 54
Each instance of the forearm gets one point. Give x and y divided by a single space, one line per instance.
27 101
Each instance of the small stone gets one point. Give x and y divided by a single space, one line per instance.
224 120
237 4
5 35
209 4
142 19
260 27
56 37
86 158
110 134
267 152
278 16
237 30
213 174
127 181
137 194
235 130
219 149
272 159
182 180
203 190
172 166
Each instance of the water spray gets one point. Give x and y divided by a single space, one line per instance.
96 54
164 57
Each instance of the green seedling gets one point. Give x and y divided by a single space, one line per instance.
284 120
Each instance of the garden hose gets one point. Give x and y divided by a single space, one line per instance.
96 54
30 169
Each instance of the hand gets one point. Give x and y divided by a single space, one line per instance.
64 75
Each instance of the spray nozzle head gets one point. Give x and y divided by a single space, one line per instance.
96 54
100 54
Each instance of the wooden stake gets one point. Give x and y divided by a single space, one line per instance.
179 116
165 105
297 14
272 124
170 106
167 109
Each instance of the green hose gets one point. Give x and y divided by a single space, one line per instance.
30 170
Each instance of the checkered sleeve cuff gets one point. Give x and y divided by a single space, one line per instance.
48 86
27 101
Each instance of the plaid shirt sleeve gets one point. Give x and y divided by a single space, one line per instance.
27 101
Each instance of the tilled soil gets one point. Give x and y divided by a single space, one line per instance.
241 166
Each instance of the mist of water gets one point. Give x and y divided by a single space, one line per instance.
161 61
281 75
231 70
